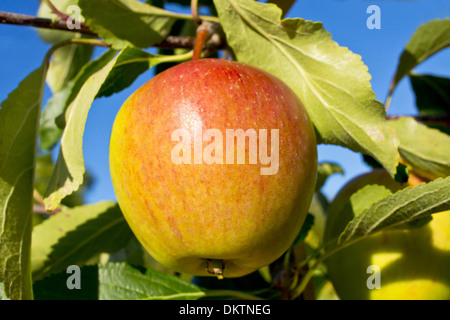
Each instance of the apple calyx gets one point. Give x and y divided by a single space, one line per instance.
216 267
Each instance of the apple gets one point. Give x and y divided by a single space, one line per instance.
214 163
413 263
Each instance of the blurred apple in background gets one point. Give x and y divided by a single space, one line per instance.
414 263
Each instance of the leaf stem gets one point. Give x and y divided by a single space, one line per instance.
308 275
92 42
161 58
55 10
194 12
189 17
303 284
308 292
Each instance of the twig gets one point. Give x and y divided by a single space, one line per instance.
37 196
301 255
170 42
32 21
40 209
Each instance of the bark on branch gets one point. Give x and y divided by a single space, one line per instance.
32 21
170 42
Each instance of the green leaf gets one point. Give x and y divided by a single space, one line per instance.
428 39
19 119
284 5
425 149
54 287
69 170
119 281
49 130
42 174
371 162
97 78
187 28
44 11
131 62
341 213
3 295
127 22
215 289
324 171
318 208
432 94
133 254
366 196
307 225
73 236
66 63
403 207
402 175
87 71
331 81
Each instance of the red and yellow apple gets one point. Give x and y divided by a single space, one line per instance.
413 263
202 200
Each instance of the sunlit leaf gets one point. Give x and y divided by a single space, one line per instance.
73 236
19 120
331 81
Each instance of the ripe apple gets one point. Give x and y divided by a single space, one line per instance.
200 200
414 263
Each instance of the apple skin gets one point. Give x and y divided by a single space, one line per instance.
186 214
414 263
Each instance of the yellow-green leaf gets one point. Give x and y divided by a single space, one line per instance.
331 81
69 170
19 120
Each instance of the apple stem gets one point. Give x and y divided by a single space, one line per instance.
216 267
204 32
200 40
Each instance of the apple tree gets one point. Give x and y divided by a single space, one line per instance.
49 237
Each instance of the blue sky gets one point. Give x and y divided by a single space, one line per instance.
22 51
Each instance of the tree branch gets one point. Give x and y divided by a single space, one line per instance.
40 209
170 42
32 21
